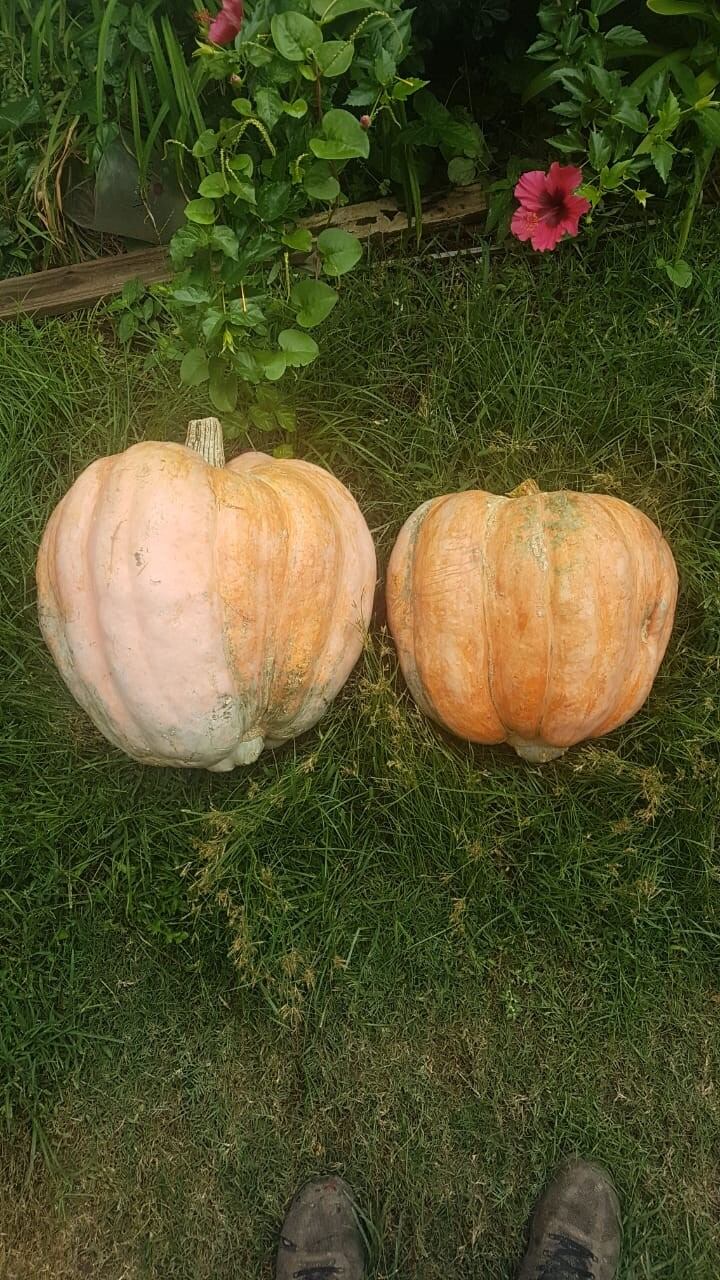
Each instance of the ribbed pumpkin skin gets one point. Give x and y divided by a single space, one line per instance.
540 620
200 613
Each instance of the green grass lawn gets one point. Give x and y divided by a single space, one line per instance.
382 951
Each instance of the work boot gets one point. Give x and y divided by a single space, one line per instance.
575 1230
321 1237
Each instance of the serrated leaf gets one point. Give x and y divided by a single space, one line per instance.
340 137
334 57
402 89
708 121
300 240
263 419
270 106
384 67
668 115
314 300
294 35
299 348
286 416
362 95
225 241
273 199
194 369
631 117
340 251
662 156
214 185
190 295
606 82
201 211
599 150
223 385
625 37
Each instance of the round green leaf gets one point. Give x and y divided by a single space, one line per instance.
241 163
194 367
243 106
301 240
205 144
190 295
223 385
299 347
339 251
296 109
320 184
294 35
329 9
314 300
215 184
340 137
272 363
335 56
461 171
202 211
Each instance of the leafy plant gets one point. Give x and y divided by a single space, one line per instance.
251 280
632 131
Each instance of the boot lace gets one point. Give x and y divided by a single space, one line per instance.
567 1260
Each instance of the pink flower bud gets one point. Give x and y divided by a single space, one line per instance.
366 121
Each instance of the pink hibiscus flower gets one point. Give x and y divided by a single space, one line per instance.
548 208
228 22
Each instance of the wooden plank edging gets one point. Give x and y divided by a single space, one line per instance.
84 283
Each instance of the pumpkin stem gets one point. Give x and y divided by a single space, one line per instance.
205 436
525 490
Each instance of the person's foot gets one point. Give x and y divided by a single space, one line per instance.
321 1237
575 1231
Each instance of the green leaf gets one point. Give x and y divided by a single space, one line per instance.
225 240
247 314
262 418
190 295
362 95
286 416
242 190
669 115
631 117
614 177
662 156
314 300
599 150
301 240
241 163
686 80
194 368
625 37
202 211
296 109
273 199
334 57
214 185
127 326
655 91
679 8
270 106
272 363
243 106
679 272
708 121
339 251
606 82
568 143
341 137
294 35
223 385
281 451
461 171
299 347
329 9
212 323
384 67
320 184
205 144
402 89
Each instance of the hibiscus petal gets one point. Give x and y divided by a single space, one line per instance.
531 190
545 236
225 27
573 209
523 223
563 179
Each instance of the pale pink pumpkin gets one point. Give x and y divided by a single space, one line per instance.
201 612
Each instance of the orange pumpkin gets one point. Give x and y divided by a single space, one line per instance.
200 612
538 619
